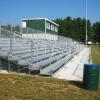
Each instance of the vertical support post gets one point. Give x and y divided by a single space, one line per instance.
18 71
31 51
31 55
27 34
45 44
45 25
45 36
21 30
90 56
86 22
70 52
29 70
66 44
52 49
37 46
11 36
0 29
9 67
0 64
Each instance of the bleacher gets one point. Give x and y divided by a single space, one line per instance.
35 56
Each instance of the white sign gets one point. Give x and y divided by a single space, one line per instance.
24 24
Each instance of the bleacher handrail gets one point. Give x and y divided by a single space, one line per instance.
13 33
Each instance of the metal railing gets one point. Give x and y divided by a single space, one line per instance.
16 47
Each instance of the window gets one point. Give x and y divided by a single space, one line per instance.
56 29
24 24
47 25
52 27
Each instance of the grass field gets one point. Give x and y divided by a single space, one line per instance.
15 87
95 51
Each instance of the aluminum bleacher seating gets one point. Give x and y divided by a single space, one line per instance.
29 55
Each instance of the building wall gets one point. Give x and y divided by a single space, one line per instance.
41 36
39 24
50 31
36 24
30 27
51 28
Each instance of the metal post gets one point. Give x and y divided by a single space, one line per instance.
52 49
45 44
45 36
29 70
0 29
31 51
37 46
45 25
70 50
27 34
20 29
18 71
86 22
11 35
90 56
0 64
66 44
9 67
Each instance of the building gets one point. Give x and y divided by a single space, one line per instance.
40 25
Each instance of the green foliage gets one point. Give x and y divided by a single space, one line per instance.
7 27
16 28
11 28
74 28
96 32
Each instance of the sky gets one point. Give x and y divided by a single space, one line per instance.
12 11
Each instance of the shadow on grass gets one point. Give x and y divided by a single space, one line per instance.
77 83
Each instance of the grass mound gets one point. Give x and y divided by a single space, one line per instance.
14 87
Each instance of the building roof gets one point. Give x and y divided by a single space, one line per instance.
46 19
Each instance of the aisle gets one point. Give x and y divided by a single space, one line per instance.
73 70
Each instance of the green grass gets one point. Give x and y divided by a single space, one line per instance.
95 52
14 87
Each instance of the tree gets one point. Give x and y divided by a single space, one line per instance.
96 32
16 28
74 28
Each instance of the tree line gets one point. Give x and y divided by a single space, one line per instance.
76 28
9 27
